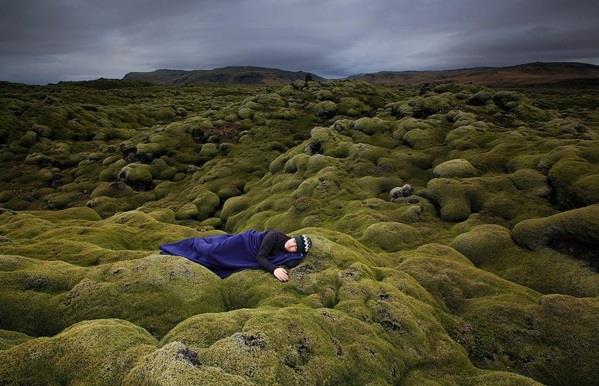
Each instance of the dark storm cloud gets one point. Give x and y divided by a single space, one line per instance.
47 41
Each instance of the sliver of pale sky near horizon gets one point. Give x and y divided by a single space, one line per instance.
46 41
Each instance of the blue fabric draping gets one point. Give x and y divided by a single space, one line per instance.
225 254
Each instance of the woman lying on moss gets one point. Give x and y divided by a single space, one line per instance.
270 250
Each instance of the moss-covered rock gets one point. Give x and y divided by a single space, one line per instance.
455 168
421 138
480 98
177 363
28 139
495 324
119 290
163 215
186 211
574 180
113 189
491 248
206 202
506 99
370 126
95 352
452 199
495 195
391 236
138 176
325 109
579 225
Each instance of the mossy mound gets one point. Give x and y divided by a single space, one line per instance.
137 175
498 196
506 325
391 236
577 228
94 352
491 247
12 338
176 363
455 168
132 290
79 236
575 181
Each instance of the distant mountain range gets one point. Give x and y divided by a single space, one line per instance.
523 74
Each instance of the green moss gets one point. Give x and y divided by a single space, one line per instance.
506 99
28 139
163 215
491 248
114 189
150 151
107 206
370 126
325 108
310 343
572 179
98 352
495 195
161 170
233 205
455 168
136 174
245 113
12 338
468 137
452 199
391 236
422 138
113 290
531 180
186 211
206 202
423 107
380 299
580 225
483 242
480 98
528 112
78 213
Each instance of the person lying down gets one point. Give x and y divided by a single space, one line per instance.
270 250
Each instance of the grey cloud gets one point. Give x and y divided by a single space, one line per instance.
47 41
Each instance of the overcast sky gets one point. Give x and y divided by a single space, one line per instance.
44 41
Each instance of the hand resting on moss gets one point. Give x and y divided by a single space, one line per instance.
281 274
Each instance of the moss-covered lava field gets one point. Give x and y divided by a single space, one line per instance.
486 274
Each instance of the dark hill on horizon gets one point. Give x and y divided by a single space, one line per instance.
224 75
519 75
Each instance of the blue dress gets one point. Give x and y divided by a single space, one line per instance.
225 254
